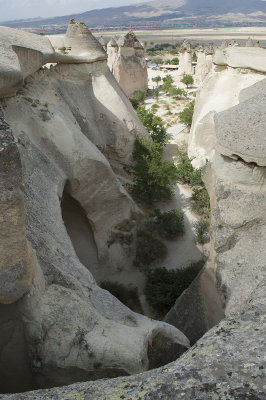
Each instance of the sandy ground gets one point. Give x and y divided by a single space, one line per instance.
169 107
183 251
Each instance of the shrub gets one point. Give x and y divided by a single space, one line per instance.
138 99
153 178
158 61
163 287
156 93
187 80
126 294
201 201
174 61
201 230
149 250
154 125
168 79
177 92
173 51
170 224
186 116
185 171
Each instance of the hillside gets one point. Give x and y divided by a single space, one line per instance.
161 14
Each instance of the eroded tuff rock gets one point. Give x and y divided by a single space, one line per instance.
17 265
236 181
226 363
68 122
126 60
220 91
21 54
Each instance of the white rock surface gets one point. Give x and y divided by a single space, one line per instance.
126 60
74 128
220 91
253 58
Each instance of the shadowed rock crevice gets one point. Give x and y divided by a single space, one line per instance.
79 231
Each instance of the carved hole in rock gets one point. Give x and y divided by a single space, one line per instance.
79 231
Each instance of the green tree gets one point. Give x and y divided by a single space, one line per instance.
168 79
194 57
187 80
157 79
153 178
138 99
154 125
186 116
177 92
174 61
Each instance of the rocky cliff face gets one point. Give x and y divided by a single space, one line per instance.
73 129
126 60
229 129
68 327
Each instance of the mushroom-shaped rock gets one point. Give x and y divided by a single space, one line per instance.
21 54
82 42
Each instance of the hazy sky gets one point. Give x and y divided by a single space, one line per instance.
19 9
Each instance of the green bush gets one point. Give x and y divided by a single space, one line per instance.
154 125
201 201
153 178
187 80
174 61
186 116
185 171
163 287
126 294
148 250
138 99
173 51
158 61
168 79
156 93
177 92
170 224
201 229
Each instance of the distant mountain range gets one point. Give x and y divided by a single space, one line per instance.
161 14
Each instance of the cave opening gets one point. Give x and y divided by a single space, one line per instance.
80 232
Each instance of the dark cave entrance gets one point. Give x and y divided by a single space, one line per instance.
80 232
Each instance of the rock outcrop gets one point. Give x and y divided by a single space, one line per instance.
234 69
227 362
73 130
204 62
185 59
126 60
61 327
